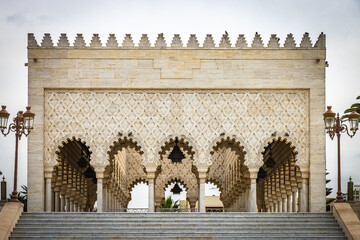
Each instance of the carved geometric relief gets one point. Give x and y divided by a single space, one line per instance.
152 115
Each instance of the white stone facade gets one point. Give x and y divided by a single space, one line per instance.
205 96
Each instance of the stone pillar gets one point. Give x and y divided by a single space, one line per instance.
202 178
151 194
57 200
300 206
280 205
99 193
108 200
151 200
305 193
201 204
48 176
67 204
252 192
105 207
284 204
62 203
289 203
71 204
294 201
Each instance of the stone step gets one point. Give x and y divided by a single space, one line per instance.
180 224
182 234
179 213
174 229
171 237
181 219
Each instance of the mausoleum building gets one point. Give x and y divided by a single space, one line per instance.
246 117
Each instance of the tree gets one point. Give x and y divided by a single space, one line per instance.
349 110
168 205
328 192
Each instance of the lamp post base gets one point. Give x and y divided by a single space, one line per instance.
14 197
339 197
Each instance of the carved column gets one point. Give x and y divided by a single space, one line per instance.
305 191
67 203
202 178
283 188
48 176
57 199
287 187
105 197
99 193
252 192
151 178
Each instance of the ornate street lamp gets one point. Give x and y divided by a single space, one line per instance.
22 125
335 126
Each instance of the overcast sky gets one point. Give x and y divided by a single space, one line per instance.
339 20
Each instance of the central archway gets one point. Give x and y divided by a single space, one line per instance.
181 170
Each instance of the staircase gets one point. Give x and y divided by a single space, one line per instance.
177 226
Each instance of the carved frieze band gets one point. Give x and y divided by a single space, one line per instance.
151 116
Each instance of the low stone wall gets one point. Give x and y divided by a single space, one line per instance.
347 219
9 216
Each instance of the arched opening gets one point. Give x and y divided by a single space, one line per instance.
177 191
139 191
176 166
122 174
73 179
230 174
213 202
279 182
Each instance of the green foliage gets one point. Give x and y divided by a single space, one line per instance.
328 203
328 190
169 205
345 117
22 196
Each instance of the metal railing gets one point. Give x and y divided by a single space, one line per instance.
182 210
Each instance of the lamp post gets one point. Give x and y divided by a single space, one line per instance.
21 125
335 126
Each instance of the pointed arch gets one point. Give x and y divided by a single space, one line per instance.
236 140
187 141
118 143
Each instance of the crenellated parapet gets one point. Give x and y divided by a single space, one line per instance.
177 42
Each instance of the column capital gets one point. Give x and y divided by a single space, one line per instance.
48 174
151 171
99 170
253 173
202 170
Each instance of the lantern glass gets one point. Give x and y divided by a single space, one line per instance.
354 118
4 117
329 118
28 118
354 124
329 122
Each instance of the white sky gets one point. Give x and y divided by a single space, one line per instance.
339 20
